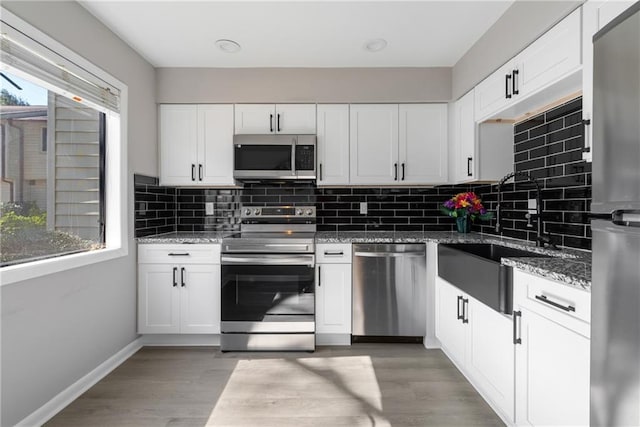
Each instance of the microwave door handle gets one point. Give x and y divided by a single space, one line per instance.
293 157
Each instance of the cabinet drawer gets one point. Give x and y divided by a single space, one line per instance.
333 253
556 301
179 253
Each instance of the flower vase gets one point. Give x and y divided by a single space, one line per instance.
463 224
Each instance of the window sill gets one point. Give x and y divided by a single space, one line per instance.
31 270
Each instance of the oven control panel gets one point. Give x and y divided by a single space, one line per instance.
278 211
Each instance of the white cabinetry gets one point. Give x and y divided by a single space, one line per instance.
178 289
374 143
423 143
196 145
553 56
595 15
398 144
479 340
275 118
333 294
479 152
552 356
333 144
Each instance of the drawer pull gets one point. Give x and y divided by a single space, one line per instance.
339 253
178 253
544 299
516 338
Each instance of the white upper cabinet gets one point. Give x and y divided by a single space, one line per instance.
464 139
495 92
196 145
275 118
255 118
333 144
549 59
178 144
296 118
423 143
479 152
398 144
374 144
553 55
595 15
215 144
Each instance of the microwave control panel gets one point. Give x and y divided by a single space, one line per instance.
305 157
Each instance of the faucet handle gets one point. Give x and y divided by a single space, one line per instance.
546 239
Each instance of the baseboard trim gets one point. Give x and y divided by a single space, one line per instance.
71 393
333 339
177 340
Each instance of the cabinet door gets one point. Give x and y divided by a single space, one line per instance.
491 356
494 93
333 299
552 56
215 144
295 119
333 144
200 299
255 118
465 139
158 299
449 329
374 144
178 145
552 374
423 143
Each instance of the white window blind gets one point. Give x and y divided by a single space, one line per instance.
21 53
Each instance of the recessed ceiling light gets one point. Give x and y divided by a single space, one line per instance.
228 46
375 45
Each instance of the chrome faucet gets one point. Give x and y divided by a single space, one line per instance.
541 237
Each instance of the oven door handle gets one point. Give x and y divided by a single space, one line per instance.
307 260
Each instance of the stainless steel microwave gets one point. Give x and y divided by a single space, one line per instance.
274 157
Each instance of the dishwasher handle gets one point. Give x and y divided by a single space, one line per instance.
390 254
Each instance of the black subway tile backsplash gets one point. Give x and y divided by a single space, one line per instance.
552 153
549 146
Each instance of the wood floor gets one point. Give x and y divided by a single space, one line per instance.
361 385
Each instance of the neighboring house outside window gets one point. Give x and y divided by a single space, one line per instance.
61 130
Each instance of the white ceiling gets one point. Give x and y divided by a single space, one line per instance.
299 33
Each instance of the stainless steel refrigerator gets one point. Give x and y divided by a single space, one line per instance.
615 296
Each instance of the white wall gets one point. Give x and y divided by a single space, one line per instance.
57 328
266 85
518 27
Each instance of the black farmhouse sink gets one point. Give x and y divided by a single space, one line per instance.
475 269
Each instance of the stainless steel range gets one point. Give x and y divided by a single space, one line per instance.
268 281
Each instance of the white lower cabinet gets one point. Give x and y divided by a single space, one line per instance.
479 340
552 357
178 289
333 294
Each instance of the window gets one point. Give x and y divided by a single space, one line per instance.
62 182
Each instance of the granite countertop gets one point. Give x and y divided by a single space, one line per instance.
185 237
568 266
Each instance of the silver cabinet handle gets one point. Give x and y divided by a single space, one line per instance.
338 253
178 253
319 277
516 338
389 254
545 300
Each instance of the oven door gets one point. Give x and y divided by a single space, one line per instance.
268 293
264 156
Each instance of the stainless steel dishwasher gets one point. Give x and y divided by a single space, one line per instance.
389 290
